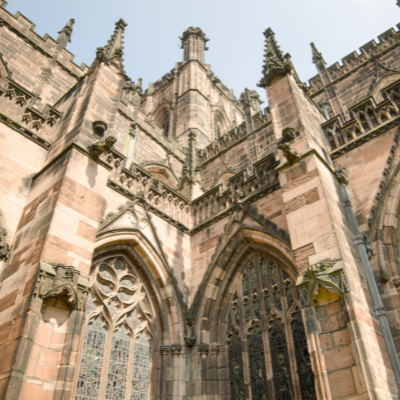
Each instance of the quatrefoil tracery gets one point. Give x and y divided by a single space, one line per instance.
118 294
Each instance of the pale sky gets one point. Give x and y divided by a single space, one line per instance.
234 28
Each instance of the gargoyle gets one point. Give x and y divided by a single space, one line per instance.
4 246
102 146
290 154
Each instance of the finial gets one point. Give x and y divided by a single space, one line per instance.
316 55
67 30
114 47
275 61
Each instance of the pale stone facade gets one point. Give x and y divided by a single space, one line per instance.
180 243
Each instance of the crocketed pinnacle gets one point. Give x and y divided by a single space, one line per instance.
316 55
275 61
67 30
115 45
114 48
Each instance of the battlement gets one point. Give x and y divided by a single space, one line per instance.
231 138
387 42
24 28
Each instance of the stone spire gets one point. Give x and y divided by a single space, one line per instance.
193 44
316 55
275 61
114 48
64 36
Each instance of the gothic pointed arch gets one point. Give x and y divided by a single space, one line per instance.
221 122
253 314
162 116
161 173
132 305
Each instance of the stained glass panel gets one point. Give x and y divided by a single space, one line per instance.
280 362
264 273
236 368
133 320
118 369
253 279
245 286
289 295
267 303
246 307
277 299
256 308
258 376
92 361
306 376
274 274
141 368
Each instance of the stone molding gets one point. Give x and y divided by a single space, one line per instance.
165 350
203 349
176 349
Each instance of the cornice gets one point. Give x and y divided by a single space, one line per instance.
25 132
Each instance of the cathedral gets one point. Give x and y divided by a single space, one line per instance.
175 242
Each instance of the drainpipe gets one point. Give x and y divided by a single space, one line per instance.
376 298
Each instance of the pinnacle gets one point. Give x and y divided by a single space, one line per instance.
115 45
275 61
67 30
316 55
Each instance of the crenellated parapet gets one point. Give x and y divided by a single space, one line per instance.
387 42
368 120
191 216
232 138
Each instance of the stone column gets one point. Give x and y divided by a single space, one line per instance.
178 373
213 372
166 373
203 352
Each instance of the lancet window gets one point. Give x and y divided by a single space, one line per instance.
116 351
267 337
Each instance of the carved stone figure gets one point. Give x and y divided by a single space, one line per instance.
102 146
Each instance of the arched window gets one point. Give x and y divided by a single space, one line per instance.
220 126
267 336
116 352
165 123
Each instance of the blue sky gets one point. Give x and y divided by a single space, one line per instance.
234 28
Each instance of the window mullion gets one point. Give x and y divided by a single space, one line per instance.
106 365
129 374
292 361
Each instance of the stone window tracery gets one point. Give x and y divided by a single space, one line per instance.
116 354
266 335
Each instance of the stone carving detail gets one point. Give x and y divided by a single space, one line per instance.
203 349
275 61
165 350
102 146
63 282
290 154
99 127
190 341
176 349
327 275
5 248
214 349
